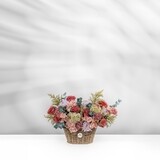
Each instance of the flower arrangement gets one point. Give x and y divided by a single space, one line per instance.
78 115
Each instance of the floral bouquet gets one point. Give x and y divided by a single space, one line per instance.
80 118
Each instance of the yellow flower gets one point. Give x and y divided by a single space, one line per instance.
75 117
95 109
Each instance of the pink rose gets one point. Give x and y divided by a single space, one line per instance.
71 103
88 119
113 111
63 115
71 126
73 129
68 108
97 116
93 125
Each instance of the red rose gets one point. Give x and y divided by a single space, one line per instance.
51 110
86 112
102 103
75 109
103 122
56 119
97 116
113 111
79 125
70 98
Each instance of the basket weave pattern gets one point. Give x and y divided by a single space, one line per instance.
84 138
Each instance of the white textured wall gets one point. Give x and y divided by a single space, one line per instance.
79 46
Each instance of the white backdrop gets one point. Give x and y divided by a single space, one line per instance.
79 47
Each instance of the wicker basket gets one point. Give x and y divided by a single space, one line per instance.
79 137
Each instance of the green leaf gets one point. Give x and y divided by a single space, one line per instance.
55 126
62 109
91 113
89 105
116 103
59 125
56 99
63 96
79 101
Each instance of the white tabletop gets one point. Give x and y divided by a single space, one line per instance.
55 147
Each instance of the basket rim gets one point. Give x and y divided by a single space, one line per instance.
80 131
